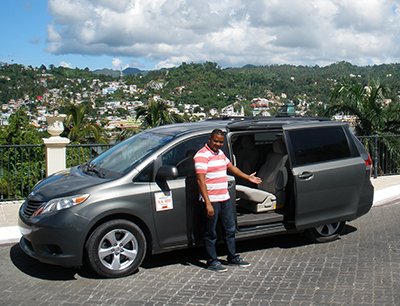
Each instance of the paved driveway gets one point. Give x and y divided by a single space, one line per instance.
361 268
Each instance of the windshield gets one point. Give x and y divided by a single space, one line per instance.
126 155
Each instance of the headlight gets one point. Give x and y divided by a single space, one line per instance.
61 203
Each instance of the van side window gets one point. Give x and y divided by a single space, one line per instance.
146 175
182 154
328 143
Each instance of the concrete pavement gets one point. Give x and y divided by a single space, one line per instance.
387 189
361 268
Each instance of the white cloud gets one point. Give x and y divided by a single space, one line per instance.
65 64
117 63
229 32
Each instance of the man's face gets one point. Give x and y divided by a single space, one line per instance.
216 142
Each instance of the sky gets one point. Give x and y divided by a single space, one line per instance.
154 34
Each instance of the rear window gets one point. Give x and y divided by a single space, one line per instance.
319 145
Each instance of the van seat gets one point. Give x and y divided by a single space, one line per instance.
270 194
256 200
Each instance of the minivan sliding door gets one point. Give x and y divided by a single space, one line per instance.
327 174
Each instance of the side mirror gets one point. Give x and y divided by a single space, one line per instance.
167 173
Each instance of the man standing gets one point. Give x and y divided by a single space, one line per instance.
211 166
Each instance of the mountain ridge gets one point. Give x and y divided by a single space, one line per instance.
117 73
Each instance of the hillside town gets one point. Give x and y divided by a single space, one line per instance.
120 114
112 102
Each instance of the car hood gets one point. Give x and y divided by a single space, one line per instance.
68 182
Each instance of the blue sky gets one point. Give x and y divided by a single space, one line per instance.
23 27
151 34
23 30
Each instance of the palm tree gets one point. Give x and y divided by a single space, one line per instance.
374 112
376 115
156 113
79 129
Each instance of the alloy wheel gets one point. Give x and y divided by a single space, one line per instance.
118 249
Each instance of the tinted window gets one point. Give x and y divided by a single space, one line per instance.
319 145
182 154
146 175
124 156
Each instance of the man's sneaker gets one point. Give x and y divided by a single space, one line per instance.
238 261
217 267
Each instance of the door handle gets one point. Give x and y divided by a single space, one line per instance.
306 175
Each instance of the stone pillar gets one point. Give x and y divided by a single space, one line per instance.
55 154
55 145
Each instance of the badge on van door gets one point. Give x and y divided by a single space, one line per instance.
163 200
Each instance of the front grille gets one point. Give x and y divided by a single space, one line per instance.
29 207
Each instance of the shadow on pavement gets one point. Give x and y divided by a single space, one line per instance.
192 256
348 229
195 256
35 268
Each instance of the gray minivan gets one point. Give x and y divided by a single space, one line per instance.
140 196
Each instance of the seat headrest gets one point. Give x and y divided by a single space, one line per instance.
279 147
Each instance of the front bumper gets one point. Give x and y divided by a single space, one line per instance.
54 239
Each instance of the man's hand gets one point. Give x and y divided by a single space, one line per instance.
237 172
210 210
254 179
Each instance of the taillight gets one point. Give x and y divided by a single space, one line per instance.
368 161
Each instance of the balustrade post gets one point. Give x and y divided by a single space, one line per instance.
376 162
55 144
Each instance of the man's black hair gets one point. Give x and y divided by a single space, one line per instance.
217 132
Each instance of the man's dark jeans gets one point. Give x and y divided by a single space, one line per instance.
224 210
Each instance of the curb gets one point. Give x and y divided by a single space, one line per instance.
9 234
386 195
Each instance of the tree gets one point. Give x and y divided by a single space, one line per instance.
156 113
121 112
80 130
20 130
375 113
21 166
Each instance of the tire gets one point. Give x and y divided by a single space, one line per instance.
326 232
116 249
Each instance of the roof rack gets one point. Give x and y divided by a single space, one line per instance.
271 122
265 118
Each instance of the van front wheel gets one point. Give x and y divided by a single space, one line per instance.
116 248
326 232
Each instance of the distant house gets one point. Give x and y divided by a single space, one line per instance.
112 104
108 90
233 110
261 106
350 119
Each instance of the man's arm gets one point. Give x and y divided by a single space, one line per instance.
201 182
250 177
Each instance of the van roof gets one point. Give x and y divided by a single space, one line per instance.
273 122
234 123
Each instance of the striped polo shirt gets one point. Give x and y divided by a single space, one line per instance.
214 166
